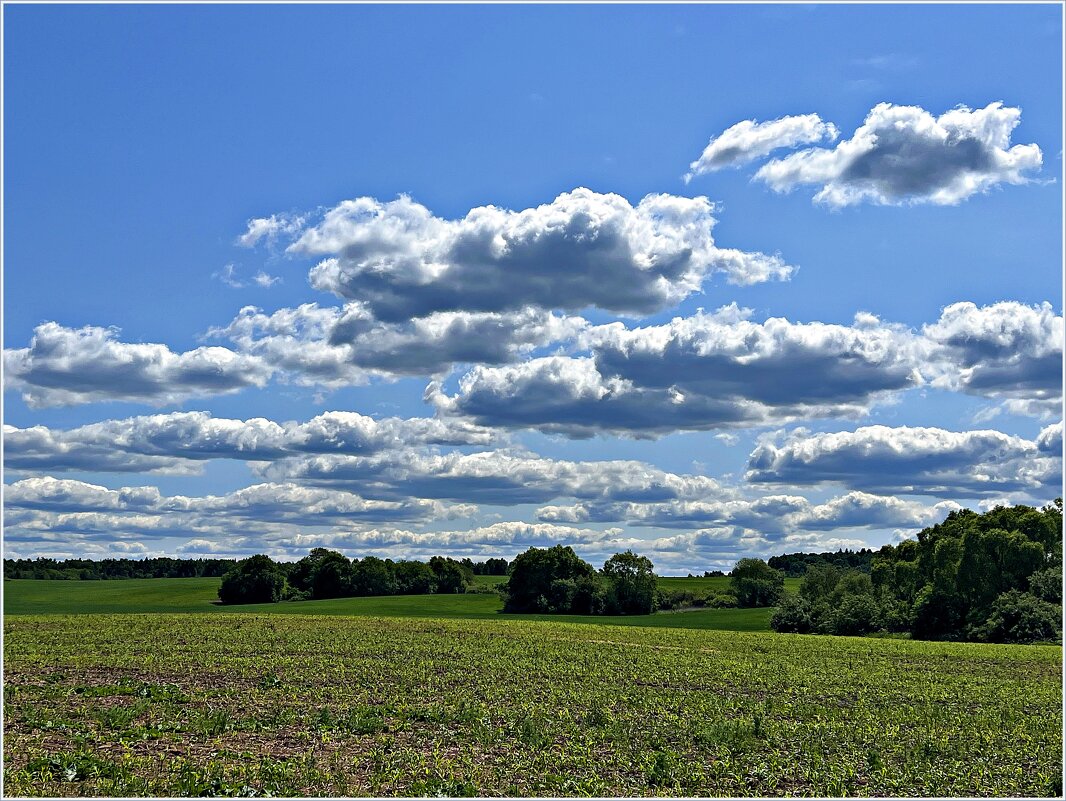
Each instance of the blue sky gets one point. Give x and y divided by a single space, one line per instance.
141 141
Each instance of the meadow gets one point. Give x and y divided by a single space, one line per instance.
240 704
29 597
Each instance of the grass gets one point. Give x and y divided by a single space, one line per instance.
240 704
30 597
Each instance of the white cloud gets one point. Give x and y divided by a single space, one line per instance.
66 366
584 249
932 461
265 280
702 372
903 154
270 229
334 347
490 477
177 442
750 140
73 504
774 516
1007 351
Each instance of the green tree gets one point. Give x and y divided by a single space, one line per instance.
372 576
1021 618
255 580
755 583
451 576
415 578
332 577
632 584
530 584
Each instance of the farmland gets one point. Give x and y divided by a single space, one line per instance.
196 704
23 597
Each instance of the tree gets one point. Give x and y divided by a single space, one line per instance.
255 580
531 583
1020 617
372 576
332 576
414 578
755 583
301 573
632 584
1047 584
452 576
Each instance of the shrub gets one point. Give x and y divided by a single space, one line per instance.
1019 617
855 615
792 615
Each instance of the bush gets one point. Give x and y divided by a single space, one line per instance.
854 615
1018 617
792 615
722 600
255 580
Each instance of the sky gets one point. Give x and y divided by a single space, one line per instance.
702 281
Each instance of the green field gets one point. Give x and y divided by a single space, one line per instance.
27 597
324 705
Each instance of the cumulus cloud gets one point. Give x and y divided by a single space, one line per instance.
701 372
903 155
750 140
584 249
67 366
75 502
968 464
490 477
1007 350
178 442
343 346
1049 440
772 516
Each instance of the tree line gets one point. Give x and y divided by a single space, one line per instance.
162 567
109 569
541 580
991 577
795 565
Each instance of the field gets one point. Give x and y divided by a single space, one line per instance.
240 704
25 597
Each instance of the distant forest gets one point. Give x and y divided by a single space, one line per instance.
164 567
793 565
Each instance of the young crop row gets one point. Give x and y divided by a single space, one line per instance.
289 705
